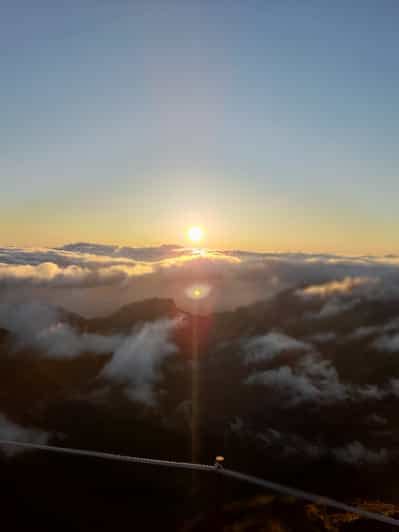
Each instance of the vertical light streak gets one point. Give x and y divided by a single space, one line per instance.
195 399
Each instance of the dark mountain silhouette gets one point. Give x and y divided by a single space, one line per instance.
131 315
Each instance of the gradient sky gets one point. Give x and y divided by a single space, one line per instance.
272 123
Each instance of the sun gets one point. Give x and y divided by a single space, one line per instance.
195 233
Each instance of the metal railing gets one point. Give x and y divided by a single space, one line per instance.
216 468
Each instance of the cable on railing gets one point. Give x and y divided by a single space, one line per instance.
109 456
216 468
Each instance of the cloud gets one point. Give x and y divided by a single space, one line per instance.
99 284
356 453
353 453
292 444
348 285
137 362
334 307
364 332
314 380
268 346
372 330
149 254
376 420
339 295
11 431
49 274
136 358
371 392
387 343
311 380
94 279
90 255
42 327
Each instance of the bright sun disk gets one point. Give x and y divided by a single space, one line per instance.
195 234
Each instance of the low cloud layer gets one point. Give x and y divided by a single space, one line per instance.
96 279
321 346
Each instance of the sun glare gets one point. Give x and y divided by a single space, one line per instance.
195 234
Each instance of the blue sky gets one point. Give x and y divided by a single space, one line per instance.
272 123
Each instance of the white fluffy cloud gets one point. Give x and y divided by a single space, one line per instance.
270 345
41 327
49 274
136 358
311 380
137 362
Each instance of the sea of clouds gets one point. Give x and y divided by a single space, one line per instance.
93 279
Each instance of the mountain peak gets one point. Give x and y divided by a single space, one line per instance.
137 312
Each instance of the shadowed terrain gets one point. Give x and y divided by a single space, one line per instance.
308 402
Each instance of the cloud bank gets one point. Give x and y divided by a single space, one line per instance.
292 352
95 279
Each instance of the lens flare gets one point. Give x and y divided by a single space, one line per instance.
198 291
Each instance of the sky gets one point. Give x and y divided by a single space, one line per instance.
273 124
